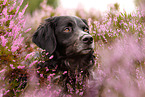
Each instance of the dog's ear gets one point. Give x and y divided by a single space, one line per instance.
44 36
85 21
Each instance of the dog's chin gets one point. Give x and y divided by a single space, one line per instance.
85 51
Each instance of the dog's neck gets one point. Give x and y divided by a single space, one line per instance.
79 63
69 70
78 70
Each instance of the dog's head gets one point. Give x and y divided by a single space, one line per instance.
67 35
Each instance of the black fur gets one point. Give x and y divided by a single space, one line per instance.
72 51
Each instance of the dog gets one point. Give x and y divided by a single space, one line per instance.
67 38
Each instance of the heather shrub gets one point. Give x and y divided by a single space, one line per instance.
14 53
119 56
120 71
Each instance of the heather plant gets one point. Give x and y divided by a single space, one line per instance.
13 50
119 55
116 25
120 71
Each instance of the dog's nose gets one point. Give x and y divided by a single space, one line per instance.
87 39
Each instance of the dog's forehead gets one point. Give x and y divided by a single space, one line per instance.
69 19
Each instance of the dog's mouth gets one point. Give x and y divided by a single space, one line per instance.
86 51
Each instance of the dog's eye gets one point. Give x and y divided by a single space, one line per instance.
67 29
86 30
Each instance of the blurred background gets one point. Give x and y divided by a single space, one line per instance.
39 10
103 5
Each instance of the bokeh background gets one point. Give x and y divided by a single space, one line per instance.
117 27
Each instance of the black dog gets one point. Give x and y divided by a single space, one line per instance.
67 38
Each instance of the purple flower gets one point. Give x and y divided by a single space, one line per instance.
12 66
14 48
28 30
41 75
21 67
64 72
28 55
51 57
5 11
4 3
12 7
2 70
3 41
11 24
34 62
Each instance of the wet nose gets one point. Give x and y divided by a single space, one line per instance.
87 39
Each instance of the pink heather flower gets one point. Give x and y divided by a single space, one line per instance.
38 83
12 66
6 92
56 66
28 30
3 41
37 71
20 15
14 48
2 70
3 20
21 67
51 75
21 2
11 24
23 11
13 6
21 21
47 69
64 72
47 53
20 39
28 55
16 30
17 10
49 78
81 93
17 43
5 11
51 57
41 75
34 62
127 29
4 3
10 34
43 50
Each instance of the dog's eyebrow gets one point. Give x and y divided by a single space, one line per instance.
83 25
68 23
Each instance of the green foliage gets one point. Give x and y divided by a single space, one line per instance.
35 4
